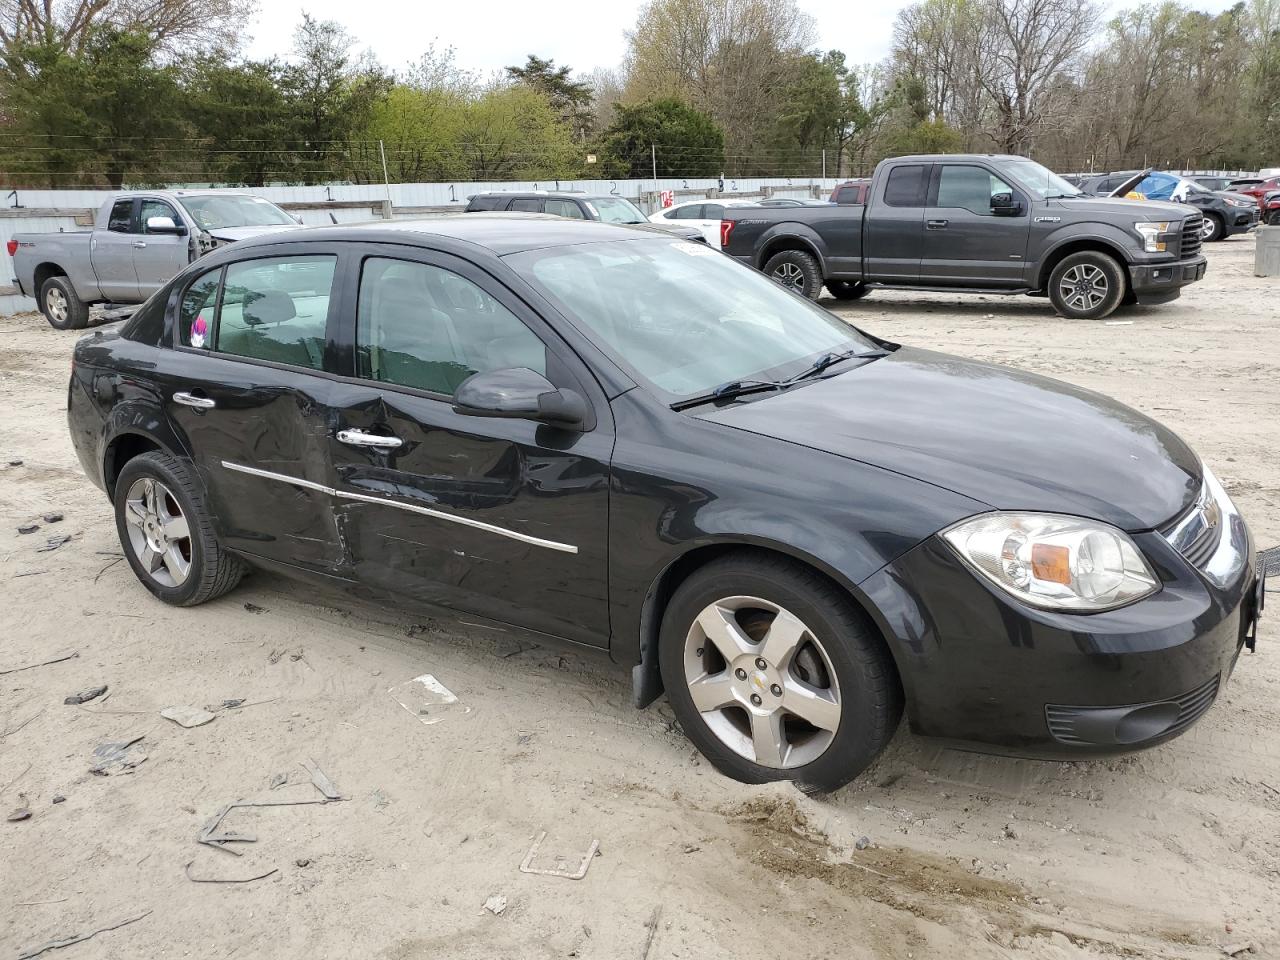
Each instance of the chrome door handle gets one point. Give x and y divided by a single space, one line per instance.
358 438
937 224
139 243
190 400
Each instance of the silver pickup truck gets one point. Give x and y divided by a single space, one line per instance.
138 242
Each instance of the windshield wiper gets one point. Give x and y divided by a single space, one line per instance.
831 359
729 390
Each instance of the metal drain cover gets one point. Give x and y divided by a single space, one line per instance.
1269 562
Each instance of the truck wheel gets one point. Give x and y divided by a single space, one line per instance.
797 271
1211 229
847 289
1087 286
61 306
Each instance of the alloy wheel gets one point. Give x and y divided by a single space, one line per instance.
55 302
1084 286
762 682
789 275
159 533
1207 228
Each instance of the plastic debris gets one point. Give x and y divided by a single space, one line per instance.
562 867
496 904
427 699
22 813
187 716
29 528
53 543
254 608
322 782
117 757
93 693
31 952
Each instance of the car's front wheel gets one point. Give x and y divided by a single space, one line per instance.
1211 228
1087 286
774 674
62 306
167 533
797 271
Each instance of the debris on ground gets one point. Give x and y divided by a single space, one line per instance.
653 931
279 780
563 867
322 782
274 656
1235 949
254 608
15 463
117 757
52 518
427 699
31 952
43 663
29 528
9 733
59 798
862 843
22 813
302 862
93 693
187 716
496 904
53 543
261 876
232 704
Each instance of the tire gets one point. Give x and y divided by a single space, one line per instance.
62 306
1213 229
839 661
796 270
1087 275
1273 219
847 289
210 571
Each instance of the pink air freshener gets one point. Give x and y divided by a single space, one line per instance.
199 329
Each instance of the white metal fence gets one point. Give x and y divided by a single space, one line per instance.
68 210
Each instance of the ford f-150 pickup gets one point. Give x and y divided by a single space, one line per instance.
977 224
138 242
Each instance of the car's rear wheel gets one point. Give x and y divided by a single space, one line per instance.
774 674
796 270
167 533
1211 228
1087 286
1273 219
62 306
847 289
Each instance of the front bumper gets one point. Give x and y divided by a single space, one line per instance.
983 671
1242 220
1162 282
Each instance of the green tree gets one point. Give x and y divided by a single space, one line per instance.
569 98
687 142
240 110
511 132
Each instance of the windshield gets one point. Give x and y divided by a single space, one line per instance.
682 317
1039 178
216 213
616 210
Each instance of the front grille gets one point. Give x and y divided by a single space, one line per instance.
1191 228
1197 533
1063 721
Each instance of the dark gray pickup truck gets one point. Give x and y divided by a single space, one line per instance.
976 224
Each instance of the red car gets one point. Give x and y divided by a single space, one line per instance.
1257 188
851 192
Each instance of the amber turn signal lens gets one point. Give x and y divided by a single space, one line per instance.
1051 562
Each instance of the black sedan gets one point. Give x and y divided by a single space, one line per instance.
632 443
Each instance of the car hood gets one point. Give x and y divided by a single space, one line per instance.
679 229
232 234
1012 440
1138 209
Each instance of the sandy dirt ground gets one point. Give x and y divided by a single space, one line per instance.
1172 853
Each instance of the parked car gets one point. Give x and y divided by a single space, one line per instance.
623 442
703 215
986 224
138 242
574 205
851 192
1104 185
1256 187
1270 204
1225 213
1212 183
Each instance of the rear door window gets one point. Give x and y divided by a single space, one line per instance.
527 204
692 211
277 309
484 203
565 208
905 187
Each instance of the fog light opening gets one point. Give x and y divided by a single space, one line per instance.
1143 723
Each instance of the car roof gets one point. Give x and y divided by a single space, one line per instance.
543 194
498 232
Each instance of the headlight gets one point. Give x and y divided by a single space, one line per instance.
1240 203
1150 233
1053 561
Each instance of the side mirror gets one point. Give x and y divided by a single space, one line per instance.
519 393
163 225
1003 205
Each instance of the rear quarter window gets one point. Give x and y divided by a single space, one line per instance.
905 187
484 203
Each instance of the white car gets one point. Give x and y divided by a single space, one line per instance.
703 214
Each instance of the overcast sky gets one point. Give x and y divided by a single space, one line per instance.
489 34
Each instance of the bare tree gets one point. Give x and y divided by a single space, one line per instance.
68 22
